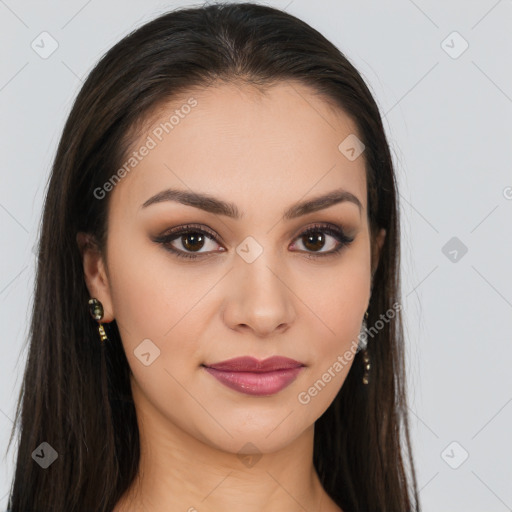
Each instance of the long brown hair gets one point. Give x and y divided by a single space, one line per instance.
76 393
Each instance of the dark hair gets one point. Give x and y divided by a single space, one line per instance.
75 395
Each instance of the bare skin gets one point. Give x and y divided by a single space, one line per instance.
263 153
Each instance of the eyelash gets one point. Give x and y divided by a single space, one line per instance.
331 230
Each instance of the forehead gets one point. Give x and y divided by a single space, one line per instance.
242 144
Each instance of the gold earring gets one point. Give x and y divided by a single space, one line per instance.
96 310
366 356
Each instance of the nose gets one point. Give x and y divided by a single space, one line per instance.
259 298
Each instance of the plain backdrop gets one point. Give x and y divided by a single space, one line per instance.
441 75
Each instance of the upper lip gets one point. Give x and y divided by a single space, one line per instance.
251 364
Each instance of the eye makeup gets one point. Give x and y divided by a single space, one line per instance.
198 233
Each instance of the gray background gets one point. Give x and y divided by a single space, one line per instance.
448 118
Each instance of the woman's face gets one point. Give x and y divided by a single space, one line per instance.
257 286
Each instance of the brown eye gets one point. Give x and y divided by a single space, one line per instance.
314 240
193 241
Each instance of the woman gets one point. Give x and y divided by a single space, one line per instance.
216 318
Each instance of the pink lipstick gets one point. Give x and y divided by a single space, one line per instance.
260 378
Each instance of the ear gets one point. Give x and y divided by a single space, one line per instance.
95 274
379 242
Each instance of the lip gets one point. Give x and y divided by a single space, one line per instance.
259 378
251 364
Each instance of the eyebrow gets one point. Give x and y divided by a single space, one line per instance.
219 207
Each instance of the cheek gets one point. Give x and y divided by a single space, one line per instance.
155 299
337 301
338 295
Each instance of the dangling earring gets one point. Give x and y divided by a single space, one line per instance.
366 356
96 310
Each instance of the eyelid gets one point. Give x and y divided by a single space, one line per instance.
202 228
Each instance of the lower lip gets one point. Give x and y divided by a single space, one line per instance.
258 384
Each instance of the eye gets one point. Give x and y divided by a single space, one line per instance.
193 239
190 238
314 239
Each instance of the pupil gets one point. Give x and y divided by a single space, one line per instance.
312 239
195 238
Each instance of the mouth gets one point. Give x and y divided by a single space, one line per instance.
258 378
